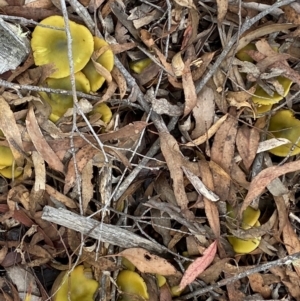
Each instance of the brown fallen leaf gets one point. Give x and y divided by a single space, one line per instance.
198 266
189 89
87 187
120 80
41 145
257 284
291 242
247 141
222 153
222 10
174 159
203 112
260 182
211 208
146 262
83 156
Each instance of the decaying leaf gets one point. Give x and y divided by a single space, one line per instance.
203 112
174 159
146 262
247 141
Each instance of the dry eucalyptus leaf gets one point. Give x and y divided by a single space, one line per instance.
174 159
203 112
189 89
222 10
146 262
87 188
41 144
120 80
177 64
186 3
10 130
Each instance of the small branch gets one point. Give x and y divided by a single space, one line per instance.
264 267
111 234
6 84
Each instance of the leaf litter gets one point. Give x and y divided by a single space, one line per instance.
187 137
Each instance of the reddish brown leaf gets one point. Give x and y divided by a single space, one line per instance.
198 266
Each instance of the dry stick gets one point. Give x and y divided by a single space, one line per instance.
6 84
247 24
264 267
75 101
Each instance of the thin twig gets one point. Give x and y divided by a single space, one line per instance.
264 267
6 84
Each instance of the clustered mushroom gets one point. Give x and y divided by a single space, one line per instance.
50 46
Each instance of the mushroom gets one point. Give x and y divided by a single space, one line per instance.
103 110
10 172
249 220
284 125
61 103
50 46
6 157
106 60
242 55
7 168
78 285
131 284
244 246
261 97
139 65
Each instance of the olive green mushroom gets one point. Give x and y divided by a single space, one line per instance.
106 59
60 103
49 45
78 286
283 124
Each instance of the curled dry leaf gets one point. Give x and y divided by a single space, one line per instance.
146 262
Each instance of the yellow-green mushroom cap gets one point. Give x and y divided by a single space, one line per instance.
242 54
61 103
140 65
249 218
106 60
104 110
261 97
6 157
284 125
246 246
49 46
80 285
131 283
